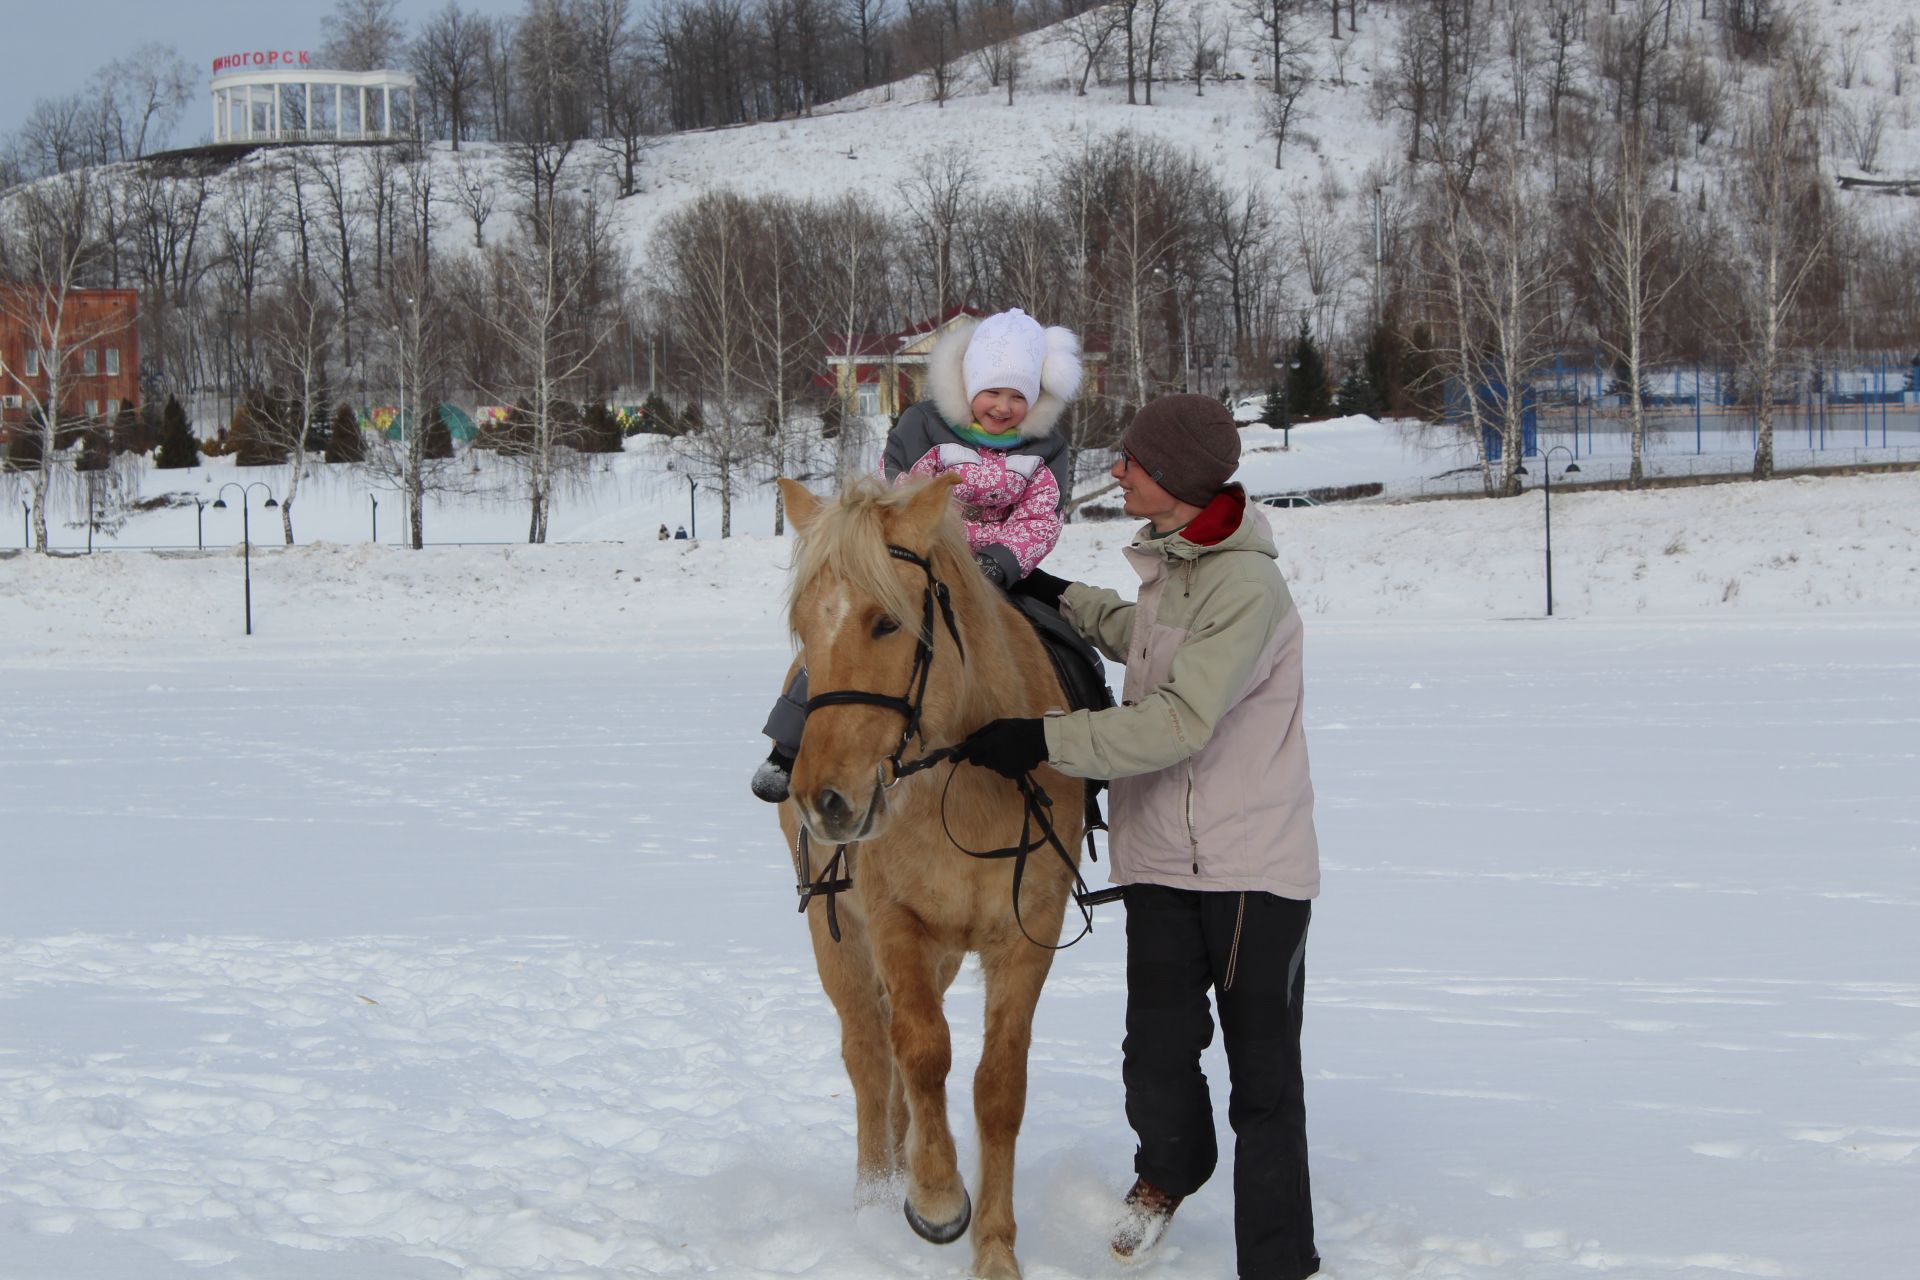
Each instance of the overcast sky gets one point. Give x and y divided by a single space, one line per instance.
54 48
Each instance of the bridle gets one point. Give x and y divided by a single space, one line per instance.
837 876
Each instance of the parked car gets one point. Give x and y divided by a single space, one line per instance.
1286 500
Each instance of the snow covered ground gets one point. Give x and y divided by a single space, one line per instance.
431 931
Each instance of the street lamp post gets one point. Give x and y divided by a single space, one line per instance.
693 523
26 526
246 540
1546 483
200 523
376 517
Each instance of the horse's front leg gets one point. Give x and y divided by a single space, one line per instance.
1014 972
915 970
847 973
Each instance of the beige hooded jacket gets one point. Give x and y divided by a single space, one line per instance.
1207 752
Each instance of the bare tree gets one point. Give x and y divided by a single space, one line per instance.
412 318
868 18
247 228
475 191
1633 233
1089 34
363 35
299 338
340 219
930 36
549 288
48 245
852 244
1240 231
701 260
1783 220
937 200
1280 109
1201 45
142 95
449 56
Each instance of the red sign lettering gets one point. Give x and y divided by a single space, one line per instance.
260 58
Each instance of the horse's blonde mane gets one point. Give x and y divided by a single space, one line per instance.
848 538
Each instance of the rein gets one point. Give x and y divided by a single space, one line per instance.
1037 807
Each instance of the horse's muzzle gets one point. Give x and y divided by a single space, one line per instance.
831 816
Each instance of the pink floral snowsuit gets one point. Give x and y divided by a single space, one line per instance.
1007 499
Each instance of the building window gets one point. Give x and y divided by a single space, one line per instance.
93 408
113 362
33 363
90 362
869 399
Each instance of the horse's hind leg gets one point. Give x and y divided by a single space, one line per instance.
847 974
915 970
1014 973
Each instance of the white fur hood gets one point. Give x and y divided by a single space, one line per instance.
1059 379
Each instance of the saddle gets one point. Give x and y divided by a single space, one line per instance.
1082 675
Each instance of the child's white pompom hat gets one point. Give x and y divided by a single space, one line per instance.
1010 349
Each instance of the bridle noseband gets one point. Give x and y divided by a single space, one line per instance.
1038 806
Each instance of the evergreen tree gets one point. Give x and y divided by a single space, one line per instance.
439 441
178 449
96 448
656 416
1308 395
250 435
125 436
1273 410
344 441
600 430
1357 396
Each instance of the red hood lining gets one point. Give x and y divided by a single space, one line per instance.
1218 519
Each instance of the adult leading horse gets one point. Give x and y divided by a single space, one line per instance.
868 570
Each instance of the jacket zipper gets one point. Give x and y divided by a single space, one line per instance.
1193 838
1233 952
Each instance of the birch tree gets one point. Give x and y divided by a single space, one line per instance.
47 248
1633 233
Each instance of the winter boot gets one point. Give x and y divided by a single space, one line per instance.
1144 1216
771 778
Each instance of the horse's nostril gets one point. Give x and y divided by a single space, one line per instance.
833 806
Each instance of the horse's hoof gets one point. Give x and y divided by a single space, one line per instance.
940 1232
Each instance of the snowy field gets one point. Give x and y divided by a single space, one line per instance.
432 932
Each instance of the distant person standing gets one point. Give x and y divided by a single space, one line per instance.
664 535
679 532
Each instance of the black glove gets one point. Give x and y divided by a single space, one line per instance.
1008 747
991 568
1042 586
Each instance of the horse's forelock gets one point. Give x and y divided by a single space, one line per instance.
848 538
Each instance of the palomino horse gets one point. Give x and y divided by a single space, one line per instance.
867 571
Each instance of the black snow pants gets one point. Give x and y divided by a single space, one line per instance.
1249 949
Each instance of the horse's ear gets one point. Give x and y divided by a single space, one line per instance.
922 514
802 506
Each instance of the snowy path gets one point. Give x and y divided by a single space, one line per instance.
403 964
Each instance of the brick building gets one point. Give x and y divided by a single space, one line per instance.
99 341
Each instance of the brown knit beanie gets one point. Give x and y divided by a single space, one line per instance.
1190 445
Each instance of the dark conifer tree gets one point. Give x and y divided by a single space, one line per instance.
178 448
344 441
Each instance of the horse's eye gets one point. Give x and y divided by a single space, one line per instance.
884 626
